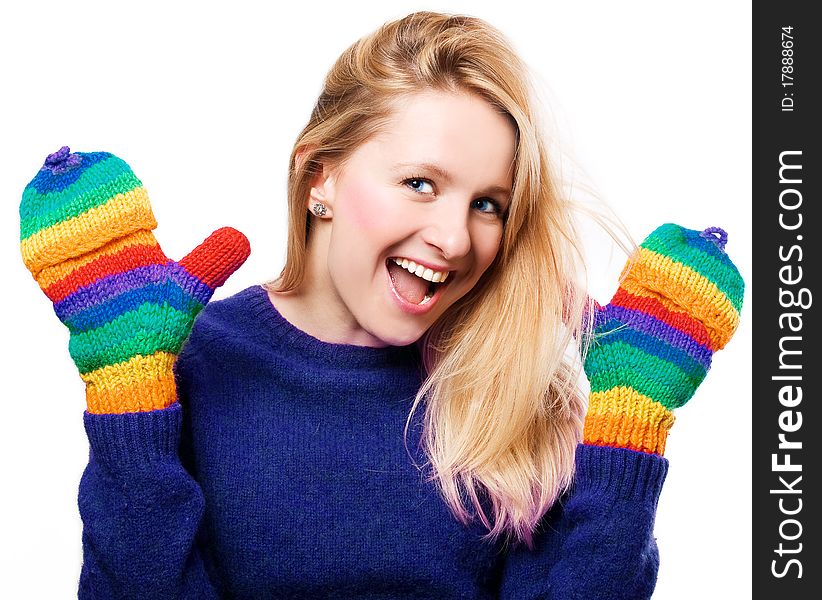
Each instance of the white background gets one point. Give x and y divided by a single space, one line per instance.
204 100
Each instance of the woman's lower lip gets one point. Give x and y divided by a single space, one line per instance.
410 307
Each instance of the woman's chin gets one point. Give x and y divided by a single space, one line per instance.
397 336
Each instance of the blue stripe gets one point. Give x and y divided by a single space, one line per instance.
167 293
650 325
695 240
45 181
112 286
619 332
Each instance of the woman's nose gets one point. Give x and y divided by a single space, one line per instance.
447 230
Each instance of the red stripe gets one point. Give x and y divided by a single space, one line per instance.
130 257
653 307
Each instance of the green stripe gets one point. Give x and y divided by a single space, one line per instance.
622 349
621 364
724 275
44 210
149 329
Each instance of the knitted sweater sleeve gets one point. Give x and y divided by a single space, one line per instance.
597 543
141 510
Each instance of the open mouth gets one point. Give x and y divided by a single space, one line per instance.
414 283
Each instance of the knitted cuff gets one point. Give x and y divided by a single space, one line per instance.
134 440
619 472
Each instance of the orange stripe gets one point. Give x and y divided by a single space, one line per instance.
600 430
50 275
139 397
126 259
624 418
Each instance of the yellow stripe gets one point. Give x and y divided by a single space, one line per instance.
136 370
140 384
51 275
121 215
625 418
657 276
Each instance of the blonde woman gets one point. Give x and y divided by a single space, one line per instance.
395 416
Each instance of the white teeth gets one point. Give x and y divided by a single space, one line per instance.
421 271
424 300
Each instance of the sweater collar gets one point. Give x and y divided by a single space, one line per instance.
281 332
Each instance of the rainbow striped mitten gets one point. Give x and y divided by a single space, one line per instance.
85 231
678 303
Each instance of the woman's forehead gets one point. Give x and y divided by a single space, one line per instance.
447 133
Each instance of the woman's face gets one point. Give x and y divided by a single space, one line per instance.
431 189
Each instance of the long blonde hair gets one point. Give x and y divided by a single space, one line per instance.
503 412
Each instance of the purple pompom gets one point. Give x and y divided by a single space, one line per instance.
62 160
711 234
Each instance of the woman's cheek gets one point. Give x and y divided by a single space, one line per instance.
372 208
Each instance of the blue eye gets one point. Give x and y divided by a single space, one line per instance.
415 183
487 205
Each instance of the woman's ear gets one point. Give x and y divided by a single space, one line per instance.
321 190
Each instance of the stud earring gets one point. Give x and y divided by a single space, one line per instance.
319 209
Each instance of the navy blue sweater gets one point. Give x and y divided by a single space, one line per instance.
282 473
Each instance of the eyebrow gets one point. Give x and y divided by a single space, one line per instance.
443 174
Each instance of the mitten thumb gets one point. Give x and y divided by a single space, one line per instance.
213 261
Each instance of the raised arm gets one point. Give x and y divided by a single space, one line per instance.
86 236
678 303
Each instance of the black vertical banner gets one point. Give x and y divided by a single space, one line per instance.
787 426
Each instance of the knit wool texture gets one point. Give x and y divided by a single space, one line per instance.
283 472
678 303
85 231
